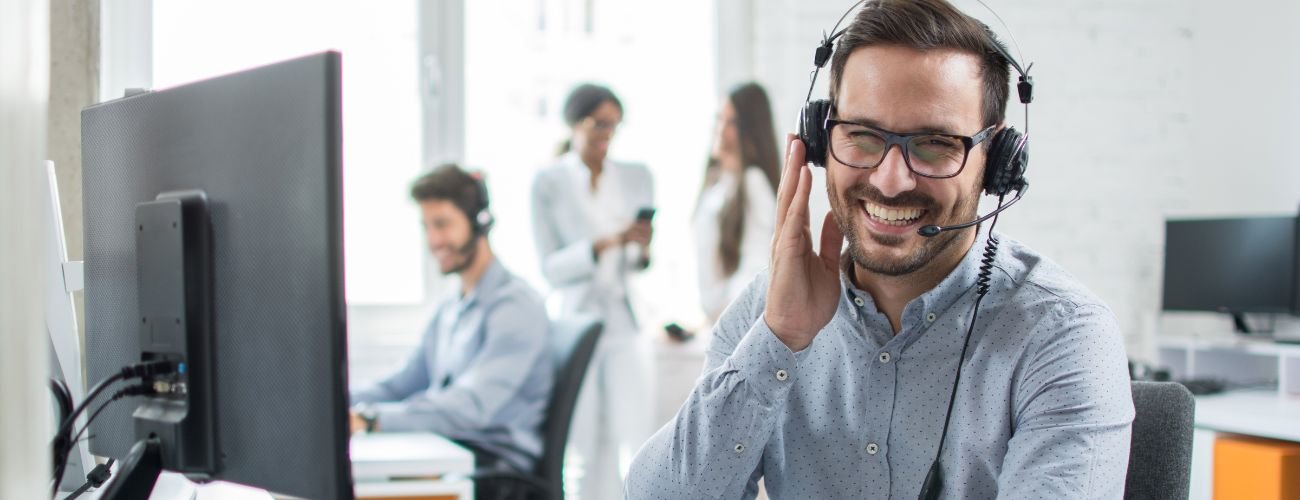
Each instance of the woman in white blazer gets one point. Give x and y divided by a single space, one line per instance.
736 211
589 238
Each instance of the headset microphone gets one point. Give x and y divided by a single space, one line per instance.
933 230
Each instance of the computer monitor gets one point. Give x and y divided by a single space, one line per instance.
247 290
61 279
1235 266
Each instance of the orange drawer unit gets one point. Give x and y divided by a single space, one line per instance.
1250 468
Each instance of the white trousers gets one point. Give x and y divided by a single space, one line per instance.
613 418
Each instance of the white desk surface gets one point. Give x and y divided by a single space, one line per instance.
384 455
376 458
1261 413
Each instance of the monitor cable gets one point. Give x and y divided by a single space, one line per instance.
96 478
64 441
143 389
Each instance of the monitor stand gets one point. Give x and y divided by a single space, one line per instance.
138 472
1241 327
1239 323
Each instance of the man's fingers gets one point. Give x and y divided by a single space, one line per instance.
832 241
796 216
794 159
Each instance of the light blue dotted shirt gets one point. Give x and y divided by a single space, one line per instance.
1043 410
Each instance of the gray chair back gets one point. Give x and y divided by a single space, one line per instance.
573 343
1160 456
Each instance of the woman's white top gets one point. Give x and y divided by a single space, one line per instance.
716 290
568 216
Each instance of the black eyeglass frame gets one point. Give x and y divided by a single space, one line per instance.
891 139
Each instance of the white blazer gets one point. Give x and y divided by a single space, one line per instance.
565 223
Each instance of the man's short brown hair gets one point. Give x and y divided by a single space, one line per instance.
448 182
928 25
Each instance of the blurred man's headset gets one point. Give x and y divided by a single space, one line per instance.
481 219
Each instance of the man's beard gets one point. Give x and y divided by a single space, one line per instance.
848 213
467 253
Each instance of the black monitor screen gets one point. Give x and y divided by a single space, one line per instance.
1231 265
265 147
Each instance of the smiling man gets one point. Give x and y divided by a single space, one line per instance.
832 376
482 373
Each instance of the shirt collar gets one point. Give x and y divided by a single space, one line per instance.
493 278
575 164
937 300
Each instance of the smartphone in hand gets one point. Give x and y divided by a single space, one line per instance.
645 214
677 333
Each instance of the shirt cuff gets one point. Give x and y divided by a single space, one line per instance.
394 417
765 363
572 262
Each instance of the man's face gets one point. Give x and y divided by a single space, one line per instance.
448 233
880 209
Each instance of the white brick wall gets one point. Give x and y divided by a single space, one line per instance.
1139 114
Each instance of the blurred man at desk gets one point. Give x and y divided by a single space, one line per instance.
482 373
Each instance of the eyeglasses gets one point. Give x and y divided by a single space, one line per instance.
600 125
937 156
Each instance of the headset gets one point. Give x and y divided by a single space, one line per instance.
482 220
1004 173
1008 153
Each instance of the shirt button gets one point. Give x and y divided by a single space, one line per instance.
884 357
872 448
782 375
929 318
859 301
740 448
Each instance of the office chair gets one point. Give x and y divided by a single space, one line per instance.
573 343
1160 454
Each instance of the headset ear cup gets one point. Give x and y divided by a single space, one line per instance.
1004 169
812 130
483 222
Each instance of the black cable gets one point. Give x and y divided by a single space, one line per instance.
135 390
66 426
932 484
94 479
62 445
63 397
139 370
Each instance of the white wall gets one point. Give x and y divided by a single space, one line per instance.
1140 112
24 87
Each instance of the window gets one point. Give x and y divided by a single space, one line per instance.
381 110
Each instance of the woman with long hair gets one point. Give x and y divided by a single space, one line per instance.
589 236
735 213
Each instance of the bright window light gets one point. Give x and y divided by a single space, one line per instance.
196 39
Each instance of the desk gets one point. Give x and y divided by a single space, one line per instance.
410 466
1269 413
1262 413
1255 413
385 466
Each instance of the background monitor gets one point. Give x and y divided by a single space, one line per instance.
1238 265
264 147
61 279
